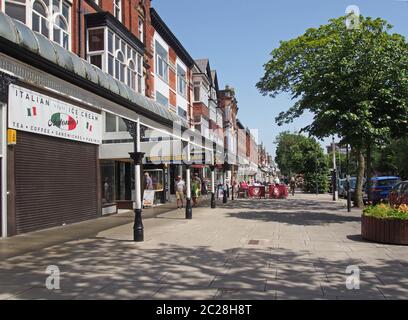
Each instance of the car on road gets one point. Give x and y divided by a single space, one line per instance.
380 188
399 194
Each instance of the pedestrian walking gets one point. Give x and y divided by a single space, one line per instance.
196 190
148 182
292 185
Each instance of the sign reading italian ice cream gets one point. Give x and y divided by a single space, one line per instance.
37 113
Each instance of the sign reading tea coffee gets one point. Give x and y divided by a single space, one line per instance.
38 113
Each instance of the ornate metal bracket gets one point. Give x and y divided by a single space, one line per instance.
5 81
137 157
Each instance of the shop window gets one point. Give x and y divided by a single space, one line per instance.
110 122
122 125
108 178
157 178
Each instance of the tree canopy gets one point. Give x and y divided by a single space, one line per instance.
355 82
298 154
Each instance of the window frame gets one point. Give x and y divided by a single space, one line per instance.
50 18
129 54
158 93
117 5
183 80
140 27
159 60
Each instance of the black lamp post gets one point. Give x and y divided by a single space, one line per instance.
225 192
137 157
213 205
189 209
212 168
348 180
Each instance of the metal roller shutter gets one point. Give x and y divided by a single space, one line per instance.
56 182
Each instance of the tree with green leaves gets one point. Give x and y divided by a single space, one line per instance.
354 81
298 154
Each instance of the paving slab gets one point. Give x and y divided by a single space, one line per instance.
266 249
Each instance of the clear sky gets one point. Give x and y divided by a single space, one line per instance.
238 36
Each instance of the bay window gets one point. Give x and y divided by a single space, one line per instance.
51 18
110 53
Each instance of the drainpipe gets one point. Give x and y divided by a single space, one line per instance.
80 28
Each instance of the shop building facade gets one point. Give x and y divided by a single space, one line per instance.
73 73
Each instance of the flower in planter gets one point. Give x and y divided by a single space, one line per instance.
385 211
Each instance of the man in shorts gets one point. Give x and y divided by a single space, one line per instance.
180 188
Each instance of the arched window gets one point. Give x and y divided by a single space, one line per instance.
61 31
120 66
131 75
40 18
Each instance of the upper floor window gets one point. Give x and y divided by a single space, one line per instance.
181 81
162 67
162 99
39 18
51 18
109 52
182 113
141 29
117 7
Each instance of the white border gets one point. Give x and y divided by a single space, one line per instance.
3 193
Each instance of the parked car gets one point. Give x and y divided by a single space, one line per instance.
380 188
399 194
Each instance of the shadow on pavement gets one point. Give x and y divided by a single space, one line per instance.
295 218
107 269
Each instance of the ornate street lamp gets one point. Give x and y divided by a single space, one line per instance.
137 157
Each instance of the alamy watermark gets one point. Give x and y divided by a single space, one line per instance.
52 282
353 280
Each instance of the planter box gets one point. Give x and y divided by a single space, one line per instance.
393 231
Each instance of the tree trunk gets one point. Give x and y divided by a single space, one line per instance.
358 192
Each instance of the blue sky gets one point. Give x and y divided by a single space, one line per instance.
238 36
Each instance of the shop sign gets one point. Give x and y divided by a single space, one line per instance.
38 113
11 136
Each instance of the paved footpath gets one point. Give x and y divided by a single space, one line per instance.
248 249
